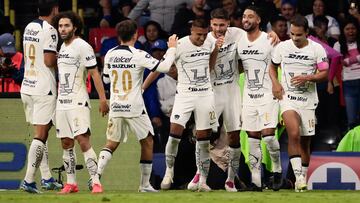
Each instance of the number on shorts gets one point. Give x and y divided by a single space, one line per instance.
312 123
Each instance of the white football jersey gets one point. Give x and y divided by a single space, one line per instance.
125 66
39 37
256 58
73 61
295 61
226 68
192 63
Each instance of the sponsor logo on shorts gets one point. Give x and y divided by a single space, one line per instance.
177 117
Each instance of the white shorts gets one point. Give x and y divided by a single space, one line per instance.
202 106
39 109
119 127
307 117
228 104
72 122
257 118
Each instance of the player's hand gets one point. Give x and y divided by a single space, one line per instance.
278 91
219 42
299 80
330 88
274 38
172 42
103 108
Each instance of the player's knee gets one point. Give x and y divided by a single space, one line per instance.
67 143
294 137
148 141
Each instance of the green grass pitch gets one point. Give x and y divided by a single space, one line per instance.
121 177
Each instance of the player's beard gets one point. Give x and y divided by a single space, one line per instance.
249 28
68 36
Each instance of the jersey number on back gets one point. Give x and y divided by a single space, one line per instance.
29 54
126 81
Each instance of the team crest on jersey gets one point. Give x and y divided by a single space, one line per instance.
223 74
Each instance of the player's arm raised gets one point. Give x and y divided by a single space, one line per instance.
213 56
165 65
95 75
169 57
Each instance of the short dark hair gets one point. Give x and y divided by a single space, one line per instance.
200 22
320 20
277 18
220 13
45 7
74 18
300 21
257 10
126 30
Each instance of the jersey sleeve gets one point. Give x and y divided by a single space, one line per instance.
147 61
50 40
276 54
322 61
87 56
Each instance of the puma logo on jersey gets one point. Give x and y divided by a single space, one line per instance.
199 54
300 57
250 52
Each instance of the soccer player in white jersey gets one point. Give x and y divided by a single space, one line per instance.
303 63
38 92
194 94
124 68
224 79
76 59
260 108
